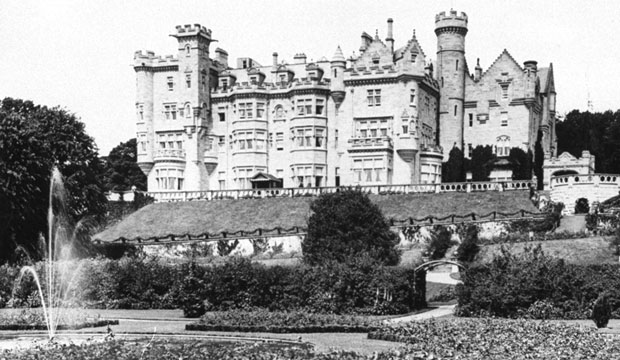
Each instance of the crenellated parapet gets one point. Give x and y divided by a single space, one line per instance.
147 60
192 30
452 22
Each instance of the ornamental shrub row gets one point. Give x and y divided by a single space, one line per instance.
535 285
361 287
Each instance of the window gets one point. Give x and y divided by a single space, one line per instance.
319 106
457 65
188 80
221 142
243 176
308 175
372 128
245 110
260 110
140 109
412 97
142 144
442 81
221 177
170 83
470 150
369 170
503 146
203 82
222 116
279 112
374 97
188 111
169 179
279 141
225 84
260 140
307 137
471 120
455 109
170 112
430 173
405 125
504 119
250 140
337 176
335 72
304 107
187 50
282 78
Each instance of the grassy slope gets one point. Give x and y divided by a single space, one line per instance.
592 250
196 217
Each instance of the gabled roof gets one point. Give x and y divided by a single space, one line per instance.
412 44
264 176
504 55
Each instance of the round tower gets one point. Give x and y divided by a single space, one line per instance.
451 30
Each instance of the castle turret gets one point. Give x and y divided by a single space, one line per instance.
338 65
144 110
194 64
451 30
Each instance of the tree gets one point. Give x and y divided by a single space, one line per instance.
346 225
539 160
454 169
33 140
121 169
522 164
469 247
481 163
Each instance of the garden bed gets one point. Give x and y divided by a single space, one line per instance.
88 324
499 339
284 322
34 319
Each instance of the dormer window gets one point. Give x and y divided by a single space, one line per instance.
225 84
254 79
312 74
283 78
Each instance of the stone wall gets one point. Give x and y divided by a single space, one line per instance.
594 187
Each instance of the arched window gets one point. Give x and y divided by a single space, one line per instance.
187 50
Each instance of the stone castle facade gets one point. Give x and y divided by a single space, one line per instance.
383 117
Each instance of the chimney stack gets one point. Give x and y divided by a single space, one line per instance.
390 39
275 59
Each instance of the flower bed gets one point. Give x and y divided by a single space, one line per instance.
33 319
283 322
498 339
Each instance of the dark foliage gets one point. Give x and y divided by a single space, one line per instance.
346 225
597 132
440 243
522 164
535 285
582 206
454 169
33 140
469 247
121 168
481 163
539 160
601 311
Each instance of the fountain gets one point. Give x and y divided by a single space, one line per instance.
59 270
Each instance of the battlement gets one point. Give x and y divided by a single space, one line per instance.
453 19
148 58
191 30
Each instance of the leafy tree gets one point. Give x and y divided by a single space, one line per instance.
539 160
522 164
346 225
121 169
481 163
582 206
454 169
440 243
33 140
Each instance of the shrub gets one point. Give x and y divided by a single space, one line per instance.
582 206
469 247
440 243
345 225
601 311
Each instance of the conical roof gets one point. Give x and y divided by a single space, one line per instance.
338 55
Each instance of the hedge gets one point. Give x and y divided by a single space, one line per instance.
534 285
138 283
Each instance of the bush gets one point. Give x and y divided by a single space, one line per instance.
582 206
469 247
440 243
345 225
601 312
535 285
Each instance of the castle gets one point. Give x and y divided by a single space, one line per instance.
387 116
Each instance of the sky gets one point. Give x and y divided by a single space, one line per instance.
77 54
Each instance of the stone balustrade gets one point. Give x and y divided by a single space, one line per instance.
163 196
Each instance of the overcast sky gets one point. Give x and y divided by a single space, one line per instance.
77 54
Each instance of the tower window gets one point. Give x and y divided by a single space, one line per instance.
188 80
170 83
504 119
457 65
374 97
187 49
222 116
471 120
470 150
335 72
442 81
455 109
412 97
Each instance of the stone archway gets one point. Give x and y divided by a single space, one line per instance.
431 264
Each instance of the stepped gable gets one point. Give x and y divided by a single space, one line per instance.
412 44
196 217
503 56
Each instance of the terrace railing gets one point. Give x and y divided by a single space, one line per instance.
164 196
